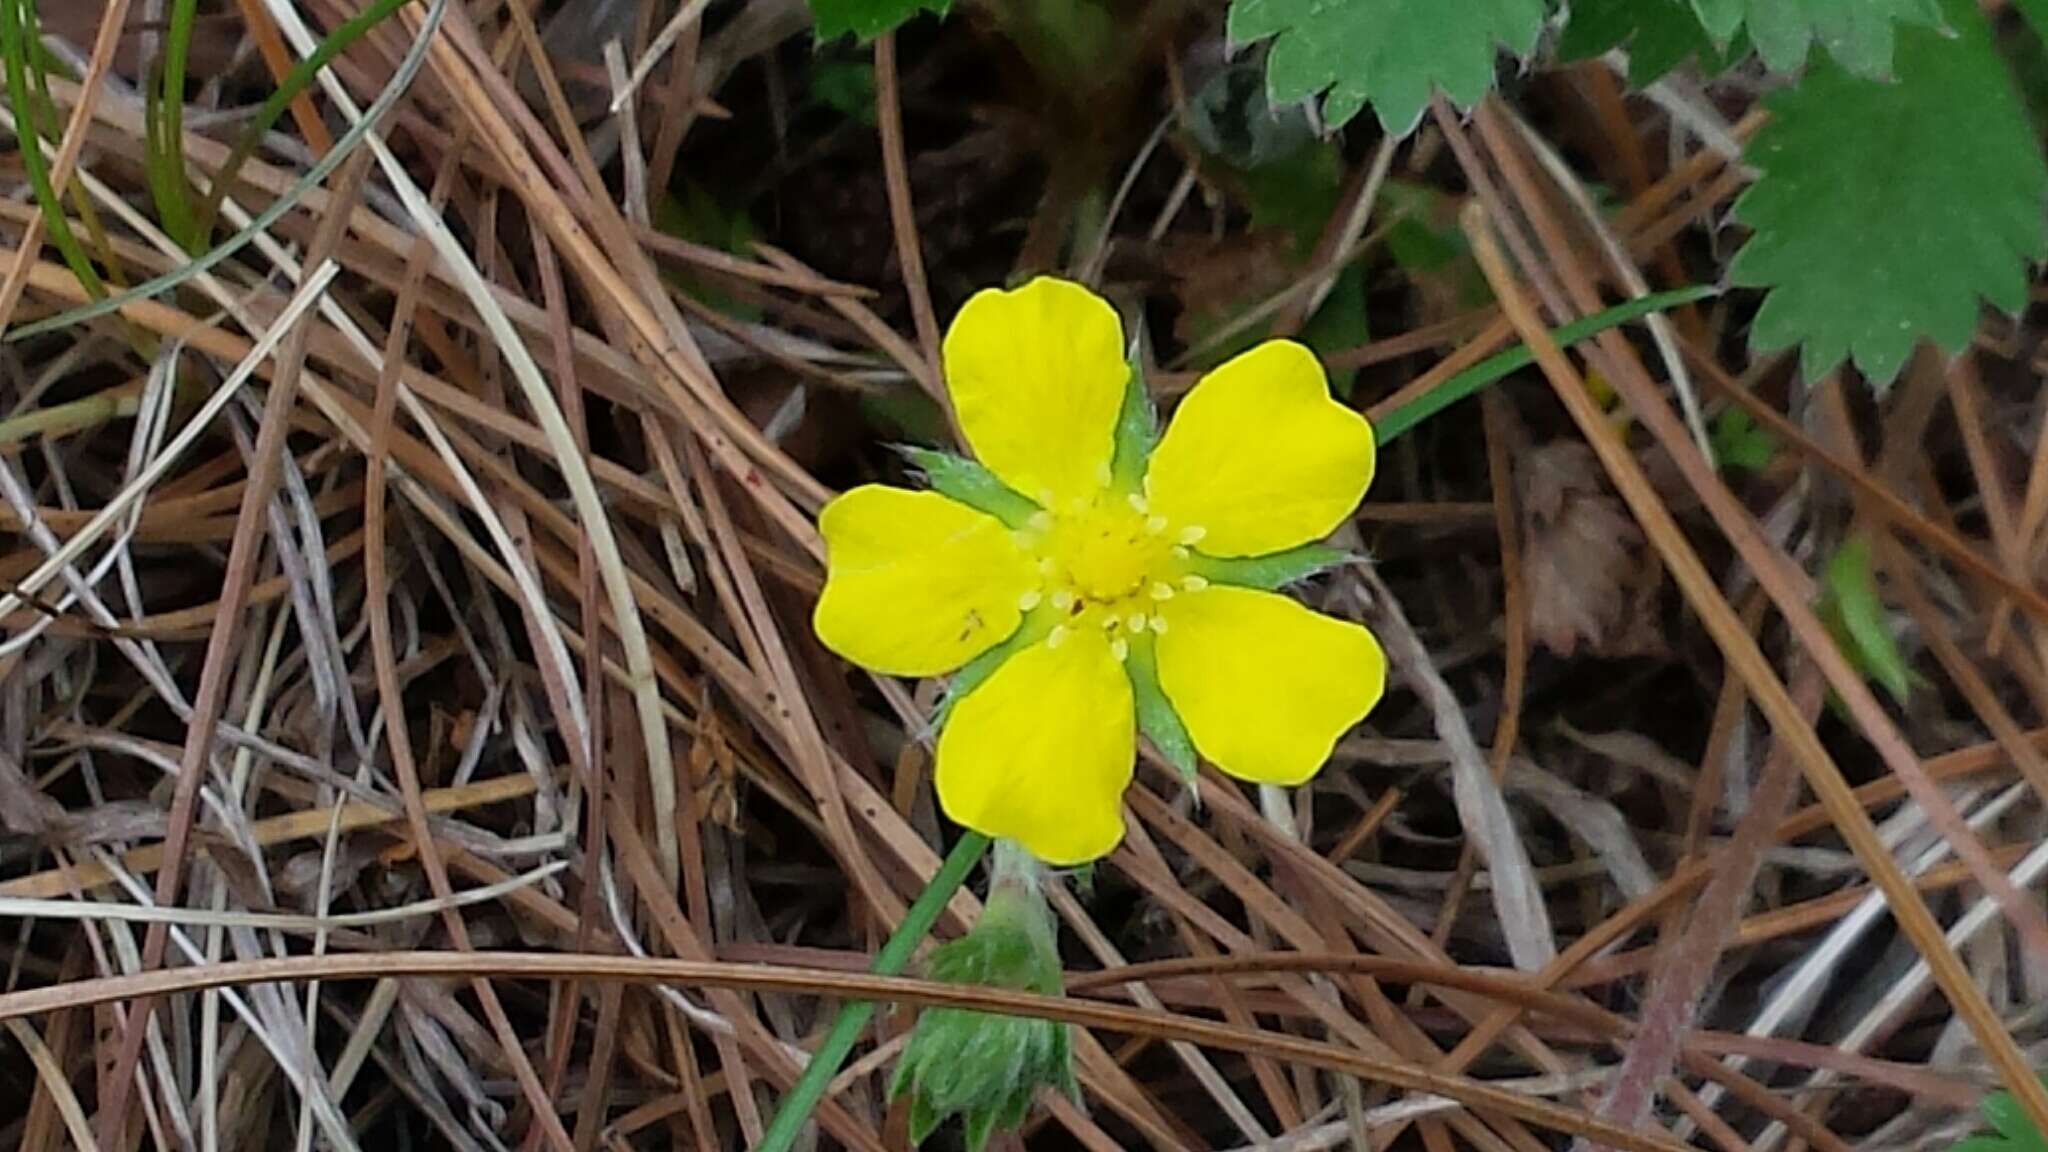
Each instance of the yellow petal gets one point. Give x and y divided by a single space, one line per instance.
1042 751
915 584
1260 457
1264 685
1037 376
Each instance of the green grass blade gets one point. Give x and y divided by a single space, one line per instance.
1404 419
18 32
274 106
853 1015
164 130
407 69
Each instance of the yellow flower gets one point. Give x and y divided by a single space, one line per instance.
1095 588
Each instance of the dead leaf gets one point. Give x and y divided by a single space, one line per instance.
1590 579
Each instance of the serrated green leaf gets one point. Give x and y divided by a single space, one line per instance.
1658 35
1857 34
1739 444
1885 210
1853 610
867 19
1156 717
1277 570
1389 53
959 478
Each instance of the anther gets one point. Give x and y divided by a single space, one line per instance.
1192 534
1137 622
1029 600
1193 583
1155 525
1040 521
1119 649
1137 503
1159 625
1063 600
1057 636
1162 591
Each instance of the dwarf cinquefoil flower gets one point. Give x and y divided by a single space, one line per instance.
1086 579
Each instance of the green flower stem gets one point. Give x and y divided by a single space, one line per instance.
854 1014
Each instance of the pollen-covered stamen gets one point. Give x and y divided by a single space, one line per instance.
1029 600
1108 562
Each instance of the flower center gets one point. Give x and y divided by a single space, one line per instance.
1105 551
1108 563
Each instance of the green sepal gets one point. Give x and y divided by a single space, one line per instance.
959 478
976 671
986 1067
1137 430
924 1119
1276 570
1156 717
980 1124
